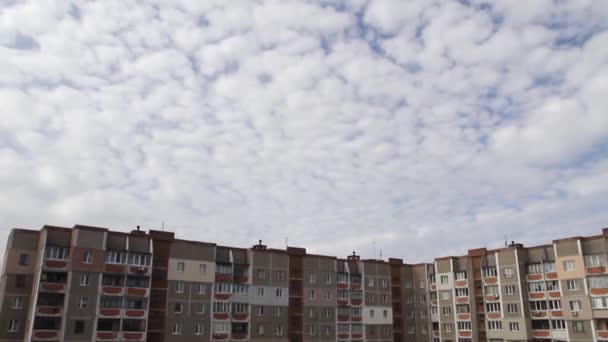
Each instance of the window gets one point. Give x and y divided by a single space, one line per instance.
578 326
199 308
384 283
261 273
221 307
240 308
342 294
87 257
510 290
260 311
179 287
385 299
513 326
385 313
558 324
139 259
446 311
17 302
424 329
538 305
445 295
327 312
202 268
327 279
599 302
199 288
181 266
408 284
327 330
58 253
494 325
491 290
423 314
178 307
311 330
78 327
461 275
552 285
535 268
462 308
492 307
371 313
508 272
595 260
311 294
176 329
569 265
489 272
260 329
280 275
279 293
223 288
240 288
447 327
223 269
342 277
549 266
555 304
221 327
279 311
512 308
598 282
434 310
422 298
13 325
20 280
422 284
538 286
462 292
464 325
114 257
198 329
278 329
24 259
83 302
572 284
312 278
443 279
327 295
370 282
575 305
85 279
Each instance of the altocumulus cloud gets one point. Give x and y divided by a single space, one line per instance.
428 126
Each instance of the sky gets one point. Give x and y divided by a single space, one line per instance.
410 129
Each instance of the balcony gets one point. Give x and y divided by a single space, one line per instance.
107 336
239 336
342 302
490 280
602 335
594 270
112 290
139 270
462 299
222 296
536 295
114 268
539 314
138 291
464 333
221 316
133 336
49 311
343 318
356 301
240 316
464 316
53 264
220 336
223 278
135 313
52 287
343 336
110 312
45 335
461 283
356 318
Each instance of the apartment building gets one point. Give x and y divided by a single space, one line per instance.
94 284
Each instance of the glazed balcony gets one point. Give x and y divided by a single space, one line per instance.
240 316
107 336
595 270
53 264
112 290
138 291
110 312
239 336
220 336
138 270
133 336
52 287
56 258
343 318
48 311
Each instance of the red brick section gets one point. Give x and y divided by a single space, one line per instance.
397 297
295 311
161 243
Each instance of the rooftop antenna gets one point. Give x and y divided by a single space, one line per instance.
162 227
374 244
286 242
137 228
380 253
505 241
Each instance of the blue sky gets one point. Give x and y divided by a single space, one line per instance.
427 127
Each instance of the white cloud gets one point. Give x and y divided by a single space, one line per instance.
430 127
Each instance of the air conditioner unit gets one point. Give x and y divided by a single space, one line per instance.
574 313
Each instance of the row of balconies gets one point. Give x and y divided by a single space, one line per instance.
229 336
120 336
129 291
352 302
223 316
348 318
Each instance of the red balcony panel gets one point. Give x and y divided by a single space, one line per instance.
491 298
109 312
433 287
52 287
355 286
558 313
114 268
342 336
354 336
462 299
461 283
542 333
464 316
494 315
434 302
111 290
603 334
220 336
490 280
534 277
555 294
239 316
133 336
239 336
342 285
45 334
342 302
49 310
135 313
536 295
596 270
58 264
600 292
137 291
356 302
538 314
356 319
464 333
241 279
222 296
142 270
107 335
435 333
223 278
552 275
220 315
342 318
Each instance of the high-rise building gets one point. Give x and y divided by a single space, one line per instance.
93 284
